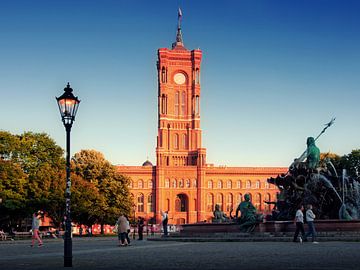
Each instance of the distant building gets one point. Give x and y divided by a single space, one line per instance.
181 182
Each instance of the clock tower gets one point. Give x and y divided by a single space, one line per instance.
179 149
179 132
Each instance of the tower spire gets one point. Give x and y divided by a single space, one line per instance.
179 40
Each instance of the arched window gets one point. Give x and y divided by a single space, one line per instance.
267 199
140 184
183 102
176 141
210 184
197 105
220 200
177 97
238 184
197 76
210 202
239 198
267 185
131 184
163 104
150 203
184 141
181 183
248 184
257 184
257 203
194 183
229 184
150 184
229 202
140 203
167 205
219 184
187 183
180 203
174 183
163 75
167 183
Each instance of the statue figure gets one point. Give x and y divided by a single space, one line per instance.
219 216
248 218
312 154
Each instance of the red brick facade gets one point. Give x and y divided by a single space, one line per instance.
182 183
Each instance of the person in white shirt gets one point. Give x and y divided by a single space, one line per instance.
299 222
165 222
310 216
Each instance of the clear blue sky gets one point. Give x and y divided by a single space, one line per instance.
273 73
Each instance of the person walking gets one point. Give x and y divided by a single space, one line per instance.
299 222
165 219
122 230
128 229
35 229
141 228
310 216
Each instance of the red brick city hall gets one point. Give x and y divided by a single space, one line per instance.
182 182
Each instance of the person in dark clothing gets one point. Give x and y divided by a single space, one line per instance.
299 221
140 227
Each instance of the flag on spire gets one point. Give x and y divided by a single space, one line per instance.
179 13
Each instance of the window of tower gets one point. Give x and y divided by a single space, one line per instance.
183 102
197 104
177 97
197 76
167 183
163 104
163 75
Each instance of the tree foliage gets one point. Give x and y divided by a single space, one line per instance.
111 186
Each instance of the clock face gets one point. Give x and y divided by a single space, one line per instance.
179 78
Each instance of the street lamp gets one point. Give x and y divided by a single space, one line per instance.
68 106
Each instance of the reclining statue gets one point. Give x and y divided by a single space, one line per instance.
219 216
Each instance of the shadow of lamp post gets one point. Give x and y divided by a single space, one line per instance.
68 106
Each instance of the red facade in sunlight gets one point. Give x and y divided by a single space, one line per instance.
182 182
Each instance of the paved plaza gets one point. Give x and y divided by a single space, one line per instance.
103 253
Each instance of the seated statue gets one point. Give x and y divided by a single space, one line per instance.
219 216
249 218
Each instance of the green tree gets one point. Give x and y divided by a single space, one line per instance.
113 187
12 192
351 163
40 161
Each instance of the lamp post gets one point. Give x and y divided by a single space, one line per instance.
68 106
